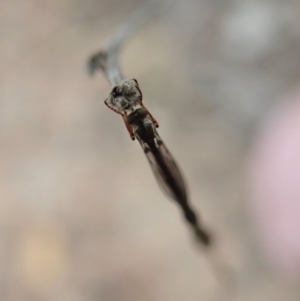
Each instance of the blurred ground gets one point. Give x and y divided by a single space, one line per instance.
81 217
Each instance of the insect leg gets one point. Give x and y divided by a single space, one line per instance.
124 116
113 109
151 117
129 127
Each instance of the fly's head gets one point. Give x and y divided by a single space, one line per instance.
125 97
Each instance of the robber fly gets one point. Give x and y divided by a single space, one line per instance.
125 98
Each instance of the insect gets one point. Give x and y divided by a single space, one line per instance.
125 98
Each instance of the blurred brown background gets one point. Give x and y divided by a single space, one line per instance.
81 216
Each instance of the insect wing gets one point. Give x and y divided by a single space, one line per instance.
162 176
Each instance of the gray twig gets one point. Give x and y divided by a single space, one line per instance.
107 59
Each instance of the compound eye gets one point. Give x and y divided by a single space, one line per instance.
114 92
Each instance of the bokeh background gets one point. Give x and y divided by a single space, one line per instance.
81 216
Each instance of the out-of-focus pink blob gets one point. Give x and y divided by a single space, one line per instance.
275 185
